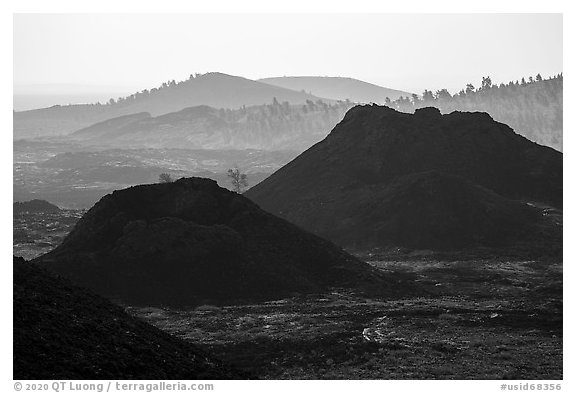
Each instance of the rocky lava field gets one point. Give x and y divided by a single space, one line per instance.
402 246
469 315
497 318
35 233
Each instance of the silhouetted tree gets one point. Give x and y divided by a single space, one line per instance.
427 96
165 178
486 83
238 179
443 94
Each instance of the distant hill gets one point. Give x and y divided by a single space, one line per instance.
34 206
108 129
62 331
276 126
338 88
192 242
212 89
423 180
533 108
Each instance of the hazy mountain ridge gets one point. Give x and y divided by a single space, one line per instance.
533 108
339 187
276 126
212 89
338 88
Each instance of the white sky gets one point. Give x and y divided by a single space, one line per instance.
404 51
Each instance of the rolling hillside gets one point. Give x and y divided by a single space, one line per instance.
213 89
337 88
264 127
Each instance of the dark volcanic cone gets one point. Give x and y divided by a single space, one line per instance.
191 241
422 180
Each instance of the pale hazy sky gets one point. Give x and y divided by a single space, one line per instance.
106 52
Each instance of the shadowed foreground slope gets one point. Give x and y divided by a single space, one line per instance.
65 332
191 242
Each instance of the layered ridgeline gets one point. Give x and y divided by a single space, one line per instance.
274 126
533 108
423 180
192 242
62 331
212 89
338 88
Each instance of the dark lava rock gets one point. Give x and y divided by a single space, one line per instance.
422 180
429 210
65 332
192 242
34 206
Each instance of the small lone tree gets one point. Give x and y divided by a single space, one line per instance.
165 178
238 179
